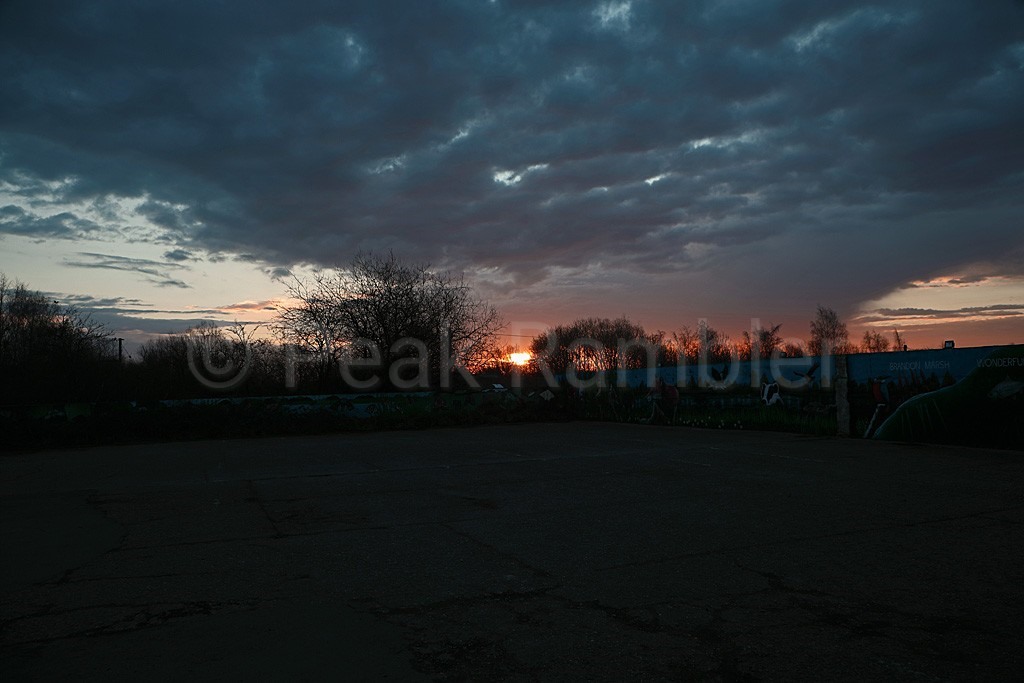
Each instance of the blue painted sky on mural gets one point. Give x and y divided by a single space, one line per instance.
164 162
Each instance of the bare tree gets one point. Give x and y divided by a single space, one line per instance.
763 340
874 342
685 343
163 362
209 360
49 351
494 358
828 333
313 324
691 343
715 345
793 349
596 344
370 309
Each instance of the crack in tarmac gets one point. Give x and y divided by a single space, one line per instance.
136 621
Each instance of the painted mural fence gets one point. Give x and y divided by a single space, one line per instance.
785 394
972 396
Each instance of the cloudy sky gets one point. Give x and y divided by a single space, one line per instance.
163 162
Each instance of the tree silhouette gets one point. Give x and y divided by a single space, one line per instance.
828 333
874 342
762 340
371 309
596 344
50 352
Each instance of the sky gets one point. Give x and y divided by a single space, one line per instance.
163 163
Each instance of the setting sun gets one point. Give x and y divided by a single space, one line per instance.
521 358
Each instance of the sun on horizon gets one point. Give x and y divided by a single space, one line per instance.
520 358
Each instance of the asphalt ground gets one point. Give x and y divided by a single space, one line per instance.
575 551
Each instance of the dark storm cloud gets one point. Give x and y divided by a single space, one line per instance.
179 255
278 273
16 221
843 149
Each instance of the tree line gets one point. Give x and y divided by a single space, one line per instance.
377 324
49 350
595 344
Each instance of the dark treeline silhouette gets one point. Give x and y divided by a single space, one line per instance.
601 344
49 351
52 353
167 367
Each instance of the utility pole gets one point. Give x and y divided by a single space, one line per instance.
120 349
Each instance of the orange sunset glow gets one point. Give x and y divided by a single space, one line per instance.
520 358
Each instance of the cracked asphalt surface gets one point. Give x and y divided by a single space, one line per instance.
522 552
